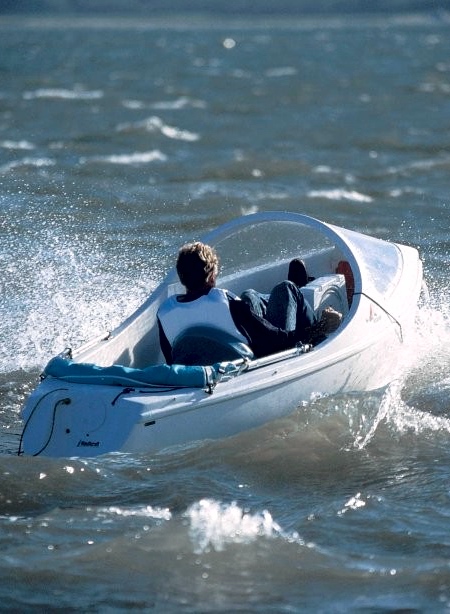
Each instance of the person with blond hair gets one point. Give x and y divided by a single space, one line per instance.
204 305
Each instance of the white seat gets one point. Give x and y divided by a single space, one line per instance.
326 291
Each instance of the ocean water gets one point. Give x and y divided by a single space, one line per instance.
119 140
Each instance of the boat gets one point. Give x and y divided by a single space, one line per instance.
115 394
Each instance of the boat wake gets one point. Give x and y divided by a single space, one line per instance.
417 403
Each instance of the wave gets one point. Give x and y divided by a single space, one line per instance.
146 511
144 157
20 145
340 194
156 124
420 166
282 71
27 162
182 102
63 94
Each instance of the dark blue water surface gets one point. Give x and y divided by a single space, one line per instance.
119 140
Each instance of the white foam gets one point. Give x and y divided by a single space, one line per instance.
146 511
282 71
341 194
27 161
133 104
63 94
179 103
426 352
20 145
214 525
65 303
143 157
156 124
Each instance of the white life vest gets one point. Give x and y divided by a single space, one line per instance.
210 309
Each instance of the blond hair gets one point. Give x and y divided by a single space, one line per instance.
197 266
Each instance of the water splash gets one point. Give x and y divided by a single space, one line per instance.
59 292
418 401
214 525
389 401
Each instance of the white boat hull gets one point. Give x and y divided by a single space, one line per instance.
66 419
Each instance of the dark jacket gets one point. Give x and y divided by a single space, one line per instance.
263 338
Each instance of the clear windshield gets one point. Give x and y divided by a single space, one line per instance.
272 237
268 241
380 262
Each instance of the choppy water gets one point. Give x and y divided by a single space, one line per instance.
118 141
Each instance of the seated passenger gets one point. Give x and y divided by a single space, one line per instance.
205 305
280 306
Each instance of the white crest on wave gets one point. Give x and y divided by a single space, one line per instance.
137 157
340 194
63 94
156 124
213 525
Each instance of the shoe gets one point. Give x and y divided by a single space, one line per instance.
297 272
330 320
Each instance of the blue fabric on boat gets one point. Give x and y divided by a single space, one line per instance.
117 375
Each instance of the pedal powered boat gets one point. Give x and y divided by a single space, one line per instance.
116 394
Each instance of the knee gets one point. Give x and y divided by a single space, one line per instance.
248 294
256 301
286 288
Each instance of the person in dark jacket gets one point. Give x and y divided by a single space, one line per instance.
288 318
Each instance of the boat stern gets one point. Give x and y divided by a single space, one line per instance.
65 420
